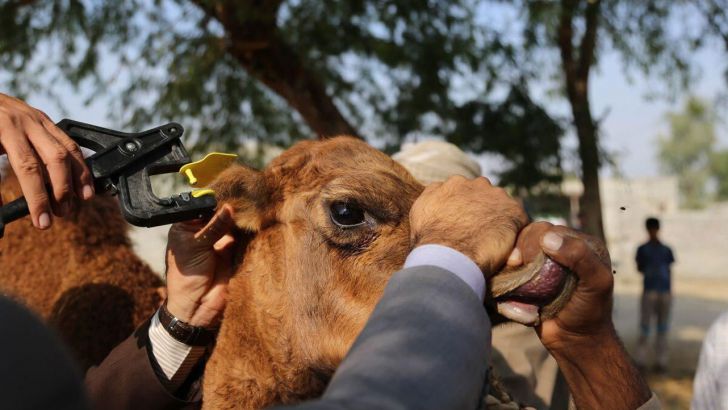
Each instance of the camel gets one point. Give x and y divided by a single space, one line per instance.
81 276
326 224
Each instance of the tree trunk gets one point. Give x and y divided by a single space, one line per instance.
253 40
279 68
576 70
591 201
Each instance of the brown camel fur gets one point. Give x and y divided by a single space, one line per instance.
82 275
306 286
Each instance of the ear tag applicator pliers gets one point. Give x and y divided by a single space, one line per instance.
122 164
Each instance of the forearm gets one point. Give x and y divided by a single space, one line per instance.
601 375
425 346
127 377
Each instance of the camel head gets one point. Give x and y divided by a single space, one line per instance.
324 227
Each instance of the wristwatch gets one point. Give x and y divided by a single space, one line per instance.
185 332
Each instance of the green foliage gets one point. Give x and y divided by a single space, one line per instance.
394 68
686 152
156 61
518 129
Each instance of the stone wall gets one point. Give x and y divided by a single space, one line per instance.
699 238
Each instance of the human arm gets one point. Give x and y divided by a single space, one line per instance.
425 346
640 260
581 337
152 366
129 376
48 164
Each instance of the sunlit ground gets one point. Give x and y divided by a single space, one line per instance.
696 304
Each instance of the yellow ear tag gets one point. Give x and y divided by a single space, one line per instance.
201 173
202 192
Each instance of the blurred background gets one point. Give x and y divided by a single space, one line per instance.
597 113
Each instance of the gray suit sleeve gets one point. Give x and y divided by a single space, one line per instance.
425 346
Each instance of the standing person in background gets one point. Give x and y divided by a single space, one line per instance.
653 262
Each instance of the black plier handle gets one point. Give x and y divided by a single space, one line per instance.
122 165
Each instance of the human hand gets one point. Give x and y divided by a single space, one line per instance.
581 335
199 266
586 315
39 152
470 216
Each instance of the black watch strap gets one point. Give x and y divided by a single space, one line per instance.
184 332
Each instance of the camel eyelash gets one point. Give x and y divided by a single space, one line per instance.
347 243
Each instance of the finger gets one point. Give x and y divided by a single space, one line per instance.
28 169
162 293
225 258
55 157
575 253
220 224
455 179
483 179
81 176
520 219
431 187
529 240
224 243
515 258
516 214
597 246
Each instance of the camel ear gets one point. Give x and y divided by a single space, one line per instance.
245 190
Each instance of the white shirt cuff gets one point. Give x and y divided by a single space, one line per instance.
175 358
450 260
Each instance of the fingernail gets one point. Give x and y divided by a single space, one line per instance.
88 192
44 220
552 241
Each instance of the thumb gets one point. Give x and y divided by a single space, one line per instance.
220 224
578 255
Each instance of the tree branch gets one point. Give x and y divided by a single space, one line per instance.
255 43
711 12
565 42
588 41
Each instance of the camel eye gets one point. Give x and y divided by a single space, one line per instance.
346 214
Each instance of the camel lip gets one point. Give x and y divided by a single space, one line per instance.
543 288
524 313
